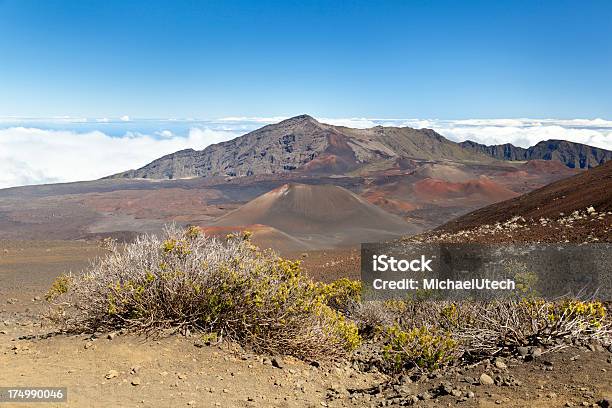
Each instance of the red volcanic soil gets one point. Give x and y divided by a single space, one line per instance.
436 189
337 158
324 164
590 188
379 198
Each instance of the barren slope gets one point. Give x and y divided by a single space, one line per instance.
591 188
318 214
577 209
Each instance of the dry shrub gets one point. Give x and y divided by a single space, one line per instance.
431 334
186 280
492 328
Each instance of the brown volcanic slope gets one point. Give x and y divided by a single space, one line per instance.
319 215
302 143
576 209
591 188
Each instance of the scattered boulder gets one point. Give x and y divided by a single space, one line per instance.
486 379
606 402
523 351
111 374
499 363
278 362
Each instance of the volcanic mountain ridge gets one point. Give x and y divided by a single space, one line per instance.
574 155
307 146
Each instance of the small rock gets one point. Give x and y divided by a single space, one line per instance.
522 351
425 396
135 381
470 394
191 403
606 402
111 336
111 374
499 363
596 347
485 379
278 362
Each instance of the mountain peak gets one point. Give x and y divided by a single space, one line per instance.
304 118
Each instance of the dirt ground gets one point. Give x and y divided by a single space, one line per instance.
180 371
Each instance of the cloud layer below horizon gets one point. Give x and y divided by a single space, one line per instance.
39 151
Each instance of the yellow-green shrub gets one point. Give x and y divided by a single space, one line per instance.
59 286
421 347
342 293
186 280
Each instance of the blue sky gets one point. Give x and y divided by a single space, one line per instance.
392 59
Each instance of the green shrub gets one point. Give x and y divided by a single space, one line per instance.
418 347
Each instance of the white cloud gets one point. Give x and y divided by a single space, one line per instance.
31 153
125 118
520 132
165 133
38 156
527 136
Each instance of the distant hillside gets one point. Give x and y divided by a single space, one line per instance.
574 155
302 143
592 188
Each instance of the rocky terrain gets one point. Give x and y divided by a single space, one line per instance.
121 369
574 155
574 209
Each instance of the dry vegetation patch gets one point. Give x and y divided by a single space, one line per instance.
188 281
